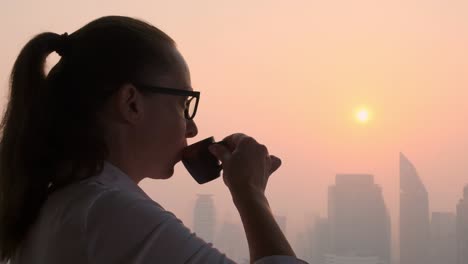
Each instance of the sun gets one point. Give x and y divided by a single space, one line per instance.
363 115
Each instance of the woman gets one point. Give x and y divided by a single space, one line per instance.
76 142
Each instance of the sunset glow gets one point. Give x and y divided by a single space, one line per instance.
363 115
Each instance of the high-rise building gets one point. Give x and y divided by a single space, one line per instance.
232 241
303 246
204 217
320 241
443 241
462 228
414 216
358 218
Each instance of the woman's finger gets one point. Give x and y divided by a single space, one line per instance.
275 163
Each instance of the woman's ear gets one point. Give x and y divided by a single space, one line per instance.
129 103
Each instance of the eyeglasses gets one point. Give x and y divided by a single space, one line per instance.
191 103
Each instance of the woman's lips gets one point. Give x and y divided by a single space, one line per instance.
180 155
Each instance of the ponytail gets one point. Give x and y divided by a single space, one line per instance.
23 187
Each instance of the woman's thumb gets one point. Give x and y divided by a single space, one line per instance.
275 163
220 152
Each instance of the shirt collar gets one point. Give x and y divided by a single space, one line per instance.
113 176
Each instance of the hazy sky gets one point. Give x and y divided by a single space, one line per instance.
291 74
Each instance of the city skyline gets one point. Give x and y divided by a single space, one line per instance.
358 229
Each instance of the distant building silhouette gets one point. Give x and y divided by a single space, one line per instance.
303 243
232 241
462 228
443 244
414 216
358 219
204 217
302 246
320 241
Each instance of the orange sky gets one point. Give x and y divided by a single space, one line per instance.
291 73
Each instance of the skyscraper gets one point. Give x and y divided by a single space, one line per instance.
204 219
320 241
232 241
443 238
303 245
358 218
414 216
462 228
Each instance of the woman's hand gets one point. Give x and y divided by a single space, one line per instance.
247 165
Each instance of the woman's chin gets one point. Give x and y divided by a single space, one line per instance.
164 174
168 174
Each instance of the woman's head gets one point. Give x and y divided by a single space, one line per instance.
147 132
92 106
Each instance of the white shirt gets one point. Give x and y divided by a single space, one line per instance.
110 219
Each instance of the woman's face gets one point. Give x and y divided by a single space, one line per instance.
164 130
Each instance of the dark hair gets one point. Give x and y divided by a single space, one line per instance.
50 133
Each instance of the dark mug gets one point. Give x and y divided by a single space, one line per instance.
200 163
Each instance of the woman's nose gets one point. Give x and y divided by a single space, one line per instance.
192 129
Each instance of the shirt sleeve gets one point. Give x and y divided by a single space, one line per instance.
122 228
